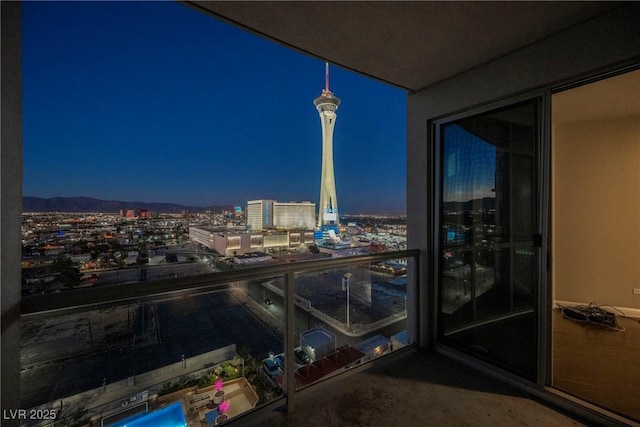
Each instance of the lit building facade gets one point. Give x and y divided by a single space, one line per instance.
135 213
229 243
327 104
294 215
259 214
204 236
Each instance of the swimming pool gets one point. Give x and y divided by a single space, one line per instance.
170 416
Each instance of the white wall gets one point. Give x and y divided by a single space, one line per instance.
596 211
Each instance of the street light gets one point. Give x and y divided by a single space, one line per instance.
345 286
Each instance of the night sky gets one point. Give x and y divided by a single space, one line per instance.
156 102
469 166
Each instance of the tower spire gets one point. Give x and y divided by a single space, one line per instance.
326 77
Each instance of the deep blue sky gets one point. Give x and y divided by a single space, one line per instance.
156 102
469 166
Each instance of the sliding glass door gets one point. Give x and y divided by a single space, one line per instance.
595 242
488 218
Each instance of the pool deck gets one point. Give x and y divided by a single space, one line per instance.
238 393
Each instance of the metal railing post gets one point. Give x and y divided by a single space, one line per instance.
289 341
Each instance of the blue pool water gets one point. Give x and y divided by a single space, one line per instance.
171 416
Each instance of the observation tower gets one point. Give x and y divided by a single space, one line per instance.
327 104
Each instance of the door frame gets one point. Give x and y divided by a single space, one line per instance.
542 291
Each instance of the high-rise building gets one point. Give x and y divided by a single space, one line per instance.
292 215
259 214
327 104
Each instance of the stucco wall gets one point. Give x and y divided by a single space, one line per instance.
596 211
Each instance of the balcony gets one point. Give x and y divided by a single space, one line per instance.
411 389
111 354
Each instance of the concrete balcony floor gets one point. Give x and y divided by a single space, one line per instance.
414 390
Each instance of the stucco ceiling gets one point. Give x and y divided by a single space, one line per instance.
409 44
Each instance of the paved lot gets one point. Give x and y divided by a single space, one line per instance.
274 313
201 323
371 298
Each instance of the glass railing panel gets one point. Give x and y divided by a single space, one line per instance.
195 349
109 353
347 316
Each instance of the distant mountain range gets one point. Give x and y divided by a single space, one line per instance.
485 203
88 204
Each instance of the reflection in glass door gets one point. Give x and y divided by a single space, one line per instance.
487 286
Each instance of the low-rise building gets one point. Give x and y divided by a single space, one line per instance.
233 243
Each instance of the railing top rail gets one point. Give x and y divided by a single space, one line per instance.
37 304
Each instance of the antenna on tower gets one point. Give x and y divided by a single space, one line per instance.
326 77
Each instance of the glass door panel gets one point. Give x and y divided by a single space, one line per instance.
487 218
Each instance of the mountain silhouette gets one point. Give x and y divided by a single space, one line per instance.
88 204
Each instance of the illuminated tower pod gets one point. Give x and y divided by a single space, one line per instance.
327 104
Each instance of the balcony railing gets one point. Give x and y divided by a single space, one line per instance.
107 353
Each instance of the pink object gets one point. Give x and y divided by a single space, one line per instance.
218 385
224 407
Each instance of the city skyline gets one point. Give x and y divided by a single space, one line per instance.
117 107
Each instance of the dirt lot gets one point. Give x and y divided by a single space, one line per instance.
60 337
